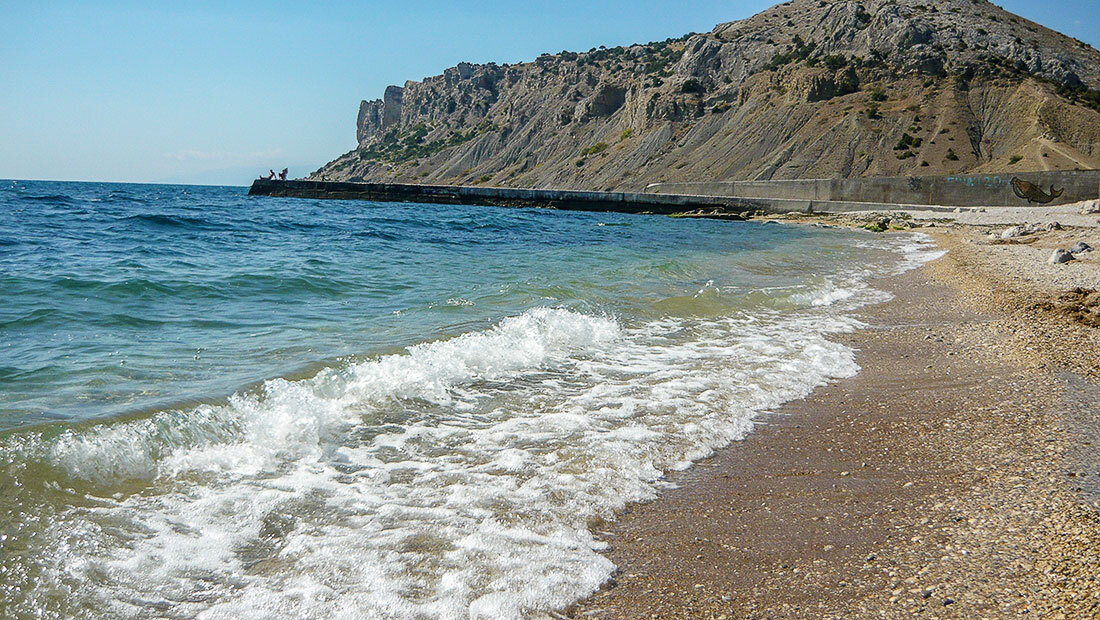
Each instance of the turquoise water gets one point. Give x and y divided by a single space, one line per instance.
224 406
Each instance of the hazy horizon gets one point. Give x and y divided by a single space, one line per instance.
206 94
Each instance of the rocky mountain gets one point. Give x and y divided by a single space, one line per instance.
806 89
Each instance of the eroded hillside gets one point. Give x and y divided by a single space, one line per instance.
810 88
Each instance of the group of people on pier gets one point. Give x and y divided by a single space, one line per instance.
271 175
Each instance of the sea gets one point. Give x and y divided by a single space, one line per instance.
221 406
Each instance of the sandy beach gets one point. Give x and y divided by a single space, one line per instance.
955 476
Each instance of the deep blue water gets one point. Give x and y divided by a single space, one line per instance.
222 406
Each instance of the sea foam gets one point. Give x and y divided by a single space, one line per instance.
455 480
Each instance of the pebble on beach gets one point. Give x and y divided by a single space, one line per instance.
1060 256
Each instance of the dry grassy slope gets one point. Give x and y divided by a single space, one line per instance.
974 87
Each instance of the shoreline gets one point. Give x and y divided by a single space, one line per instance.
952 476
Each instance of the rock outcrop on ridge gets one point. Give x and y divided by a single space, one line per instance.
806 89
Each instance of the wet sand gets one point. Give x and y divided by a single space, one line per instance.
954 476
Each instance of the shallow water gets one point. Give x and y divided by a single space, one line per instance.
223 406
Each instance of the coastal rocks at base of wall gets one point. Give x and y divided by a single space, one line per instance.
876 221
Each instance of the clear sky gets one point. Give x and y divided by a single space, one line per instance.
215 92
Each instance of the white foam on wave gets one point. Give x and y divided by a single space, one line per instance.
851 288
288 417
457 480
825 295
914 249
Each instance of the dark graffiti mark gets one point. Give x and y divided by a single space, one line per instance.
1033 193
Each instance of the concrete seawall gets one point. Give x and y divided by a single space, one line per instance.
973 190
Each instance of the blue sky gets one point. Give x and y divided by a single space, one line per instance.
215 92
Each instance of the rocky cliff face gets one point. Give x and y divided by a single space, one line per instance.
809 88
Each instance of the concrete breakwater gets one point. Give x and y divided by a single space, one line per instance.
942 193
1007 189
569 200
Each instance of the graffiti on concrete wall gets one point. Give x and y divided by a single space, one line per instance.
987 181
1033 193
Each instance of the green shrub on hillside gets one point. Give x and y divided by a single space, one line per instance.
800 51
907 141
595 149
1081 95
403 144
847 82
834 61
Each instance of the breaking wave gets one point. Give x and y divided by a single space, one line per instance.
454 480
